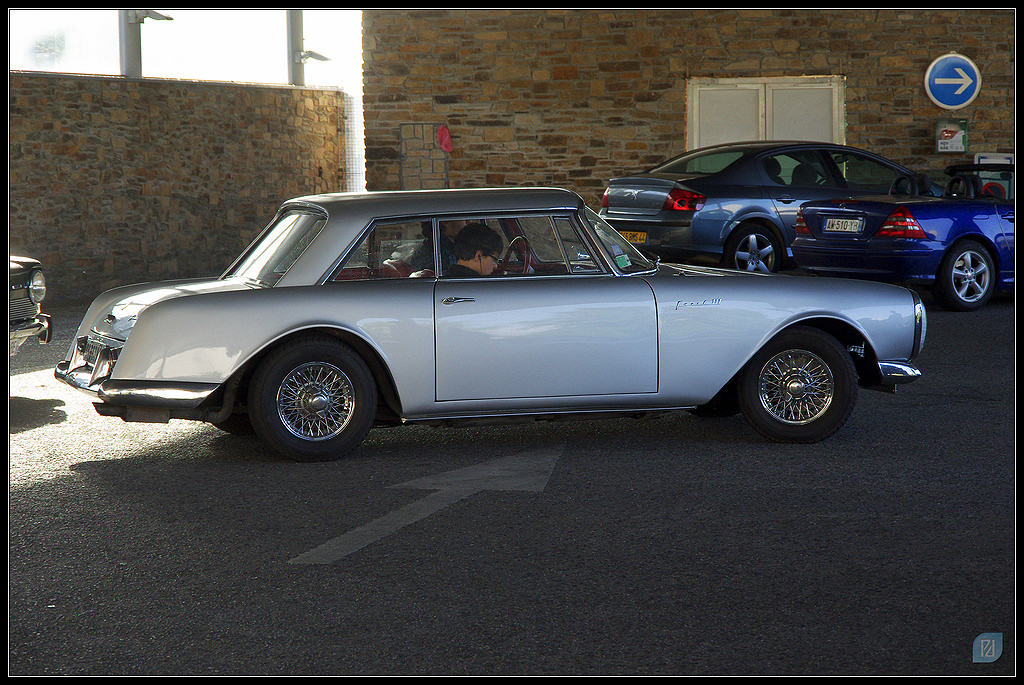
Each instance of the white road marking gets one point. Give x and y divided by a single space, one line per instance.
526 472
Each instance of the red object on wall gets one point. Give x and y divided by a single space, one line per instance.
444 138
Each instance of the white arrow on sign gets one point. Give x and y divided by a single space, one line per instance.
527 472
964 81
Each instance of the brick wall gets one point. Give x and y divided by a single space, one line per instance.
115 181
573 97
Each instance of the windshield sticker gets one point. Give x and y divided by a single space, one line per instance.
621 258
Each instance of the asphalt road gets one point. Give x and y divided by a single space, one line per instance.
672 545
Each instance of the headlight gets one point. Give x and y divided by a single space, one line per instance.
37 287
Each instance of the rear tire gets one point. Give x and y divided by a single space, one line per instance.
753 248
966 278
800 387
313 400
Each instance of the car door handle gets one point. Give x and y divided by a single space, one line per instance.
457 300
786 199
1008 217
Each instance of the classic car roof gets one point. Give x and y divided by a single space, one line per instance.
349 213
395 203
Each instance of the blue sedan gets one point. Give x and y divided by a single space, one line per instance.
738 202
961 243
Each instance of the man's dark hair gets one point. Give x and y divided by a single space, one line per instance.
476 236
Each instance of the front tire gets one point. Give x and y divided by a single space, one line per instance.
313 400
800 387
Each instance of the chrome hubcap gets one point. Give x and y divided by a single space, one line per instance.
796 387
315 401
970 276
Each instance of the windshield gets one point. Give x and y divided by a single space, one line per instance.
627 258
270 257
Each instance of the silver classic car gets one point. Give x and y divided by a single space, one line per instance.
350 311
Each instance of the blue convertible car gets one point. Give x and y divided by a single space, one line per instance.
960 243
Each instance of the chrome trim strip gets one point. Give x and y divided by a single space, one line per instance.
920 326
898 372
163 394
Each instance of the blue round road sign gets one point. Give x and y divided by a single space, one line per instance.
952 81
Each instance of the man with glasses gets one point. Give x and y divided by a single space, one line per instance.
477 252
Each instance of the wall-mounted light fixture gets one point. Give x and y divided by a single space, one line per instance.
303 57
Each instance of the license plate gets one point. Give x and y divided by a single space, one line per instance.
637 237
844 225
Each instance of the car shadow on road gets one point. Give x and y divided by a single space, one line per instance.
26 414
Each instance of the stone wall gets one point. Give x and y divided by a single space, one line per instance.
115 181
573 97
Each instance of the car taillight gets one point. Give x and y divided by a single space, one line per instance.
901 224
684 200
604 199
800 226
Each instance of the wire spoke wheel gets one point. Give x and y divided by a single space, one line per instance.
796 387
312 399
315 401
800 387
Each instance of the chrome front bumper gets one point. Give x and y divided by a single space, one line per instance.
898 373
39 326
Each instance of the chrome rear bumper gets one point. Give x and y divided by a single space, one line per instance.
90 367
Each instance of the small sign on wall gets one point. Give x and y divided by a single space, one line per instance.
951 135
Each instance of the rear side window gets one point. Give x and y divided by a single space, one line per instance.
804 169
863 173
395 249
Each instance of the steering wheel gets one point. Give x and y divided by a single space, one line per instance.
524 251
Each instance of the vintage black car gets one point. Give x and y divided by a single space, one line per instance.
27 290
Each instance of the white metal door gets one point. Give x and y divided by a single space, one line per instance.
733 110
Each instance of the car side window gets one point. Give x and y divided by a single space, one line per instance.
801 169
543 245
578 254
521 245
863 173
399 249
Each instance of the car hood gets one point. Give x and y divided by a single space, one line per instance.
116 317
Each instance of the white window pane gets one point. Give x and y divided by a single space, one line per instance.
72 41
338 35
248 46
